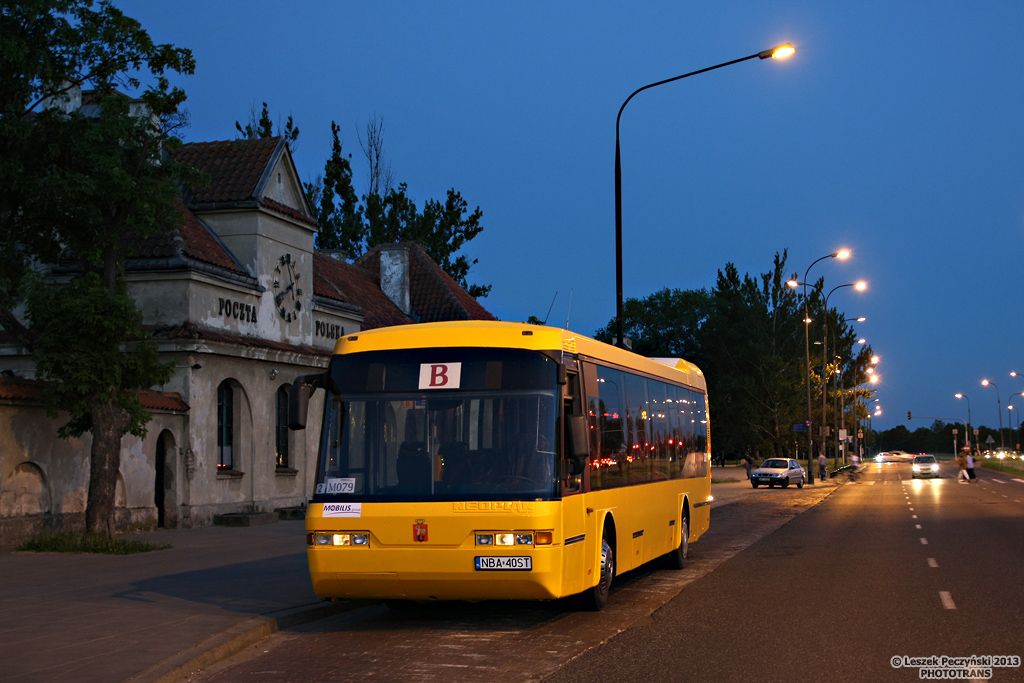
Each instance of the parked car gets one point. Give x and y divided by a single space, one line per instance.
925 466
779 471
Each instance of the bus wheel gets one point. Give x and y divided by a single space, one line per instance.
677 557
594 599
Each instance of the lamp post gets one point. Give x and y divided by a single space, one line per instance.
778 52
968 440
999 405
841 254
860 286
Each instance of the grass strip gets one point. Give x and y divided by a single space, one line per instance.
70 542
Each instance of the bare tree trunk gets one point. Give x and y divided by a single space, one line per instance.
108 423
380 178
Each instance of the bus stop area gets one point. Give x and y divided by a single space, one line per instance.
156 616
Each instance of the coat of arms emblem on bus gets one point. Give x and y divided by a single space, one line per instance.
419 531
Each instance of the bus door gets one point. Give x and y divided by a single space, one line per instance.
571 475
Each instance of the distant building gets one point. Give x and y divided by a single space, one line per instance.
241 303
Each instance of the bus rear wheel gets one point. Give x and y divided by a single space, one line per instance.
594 599
677 557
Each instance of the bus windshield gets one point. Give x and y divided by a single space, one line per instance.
439 424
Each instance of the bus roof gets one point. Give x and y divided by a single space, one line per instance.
481 333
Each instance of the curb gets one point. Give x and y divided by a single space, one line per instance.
231 641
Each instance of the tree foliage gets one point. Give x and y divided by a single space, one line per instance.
747 336
386 213
79 187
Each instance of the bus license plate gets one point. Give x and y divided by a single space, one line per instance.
504 563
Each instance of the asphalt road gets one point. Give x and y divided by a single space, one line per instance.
884 568
825 584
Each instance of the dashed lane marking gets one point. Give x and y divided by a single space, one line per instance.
998 481
917 526
924 541
947 600
932 563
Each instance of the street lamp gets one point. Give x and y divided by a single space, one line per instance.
964 396
859 286
999 405
841 254
777 52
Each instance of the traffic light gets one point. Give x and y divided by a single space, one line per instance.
908 414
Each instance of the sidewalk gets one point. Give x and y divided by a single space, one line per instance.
144 617
113 618
730 483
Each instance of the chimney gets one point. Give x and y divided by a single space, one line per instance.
394 275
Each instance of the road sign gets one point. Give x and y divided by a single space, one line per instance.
800 427
990 440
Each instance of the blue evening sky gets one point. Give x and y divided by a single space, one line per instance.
895 131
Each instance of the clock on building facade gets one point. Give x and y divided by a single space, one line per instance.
288 297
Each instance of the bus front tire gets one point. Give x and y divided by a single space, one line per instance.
677 557
594 599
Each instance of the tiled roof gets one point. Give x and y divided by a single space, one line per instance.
340 281
434 294
287 211
235 167
192 238
18 389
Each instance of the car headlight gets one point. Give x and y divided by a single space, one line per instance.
917 468
935 468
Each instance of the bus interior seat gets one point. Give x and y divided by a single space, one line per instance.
413 467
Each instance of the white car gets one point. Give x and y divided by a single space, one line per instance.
779 471
925 466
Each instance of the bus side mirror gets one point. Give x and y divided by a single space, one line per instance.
298 399
579 438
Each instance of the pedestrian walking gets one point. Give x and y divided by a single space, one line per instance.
748 462
971 476
822 466
961 476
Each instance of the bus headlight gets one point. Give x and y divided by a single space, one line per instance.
485 539
338 539
504 539
524 539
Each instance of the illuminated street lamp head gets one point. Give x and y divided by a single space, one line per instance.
958 395
861 286
875 359
862 340
842 253
793 283
778 52
1013 374
874 379
861 319
984 382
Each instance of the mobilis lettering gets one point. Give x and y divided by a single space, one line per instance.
236 310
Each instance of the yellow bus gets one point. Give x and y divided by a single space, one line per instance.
487 460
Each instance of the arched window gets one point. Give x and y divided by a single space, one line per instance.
281 430
225 426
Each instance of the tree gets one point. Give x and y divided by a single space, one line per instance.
82 186
666 323
387 214
263 127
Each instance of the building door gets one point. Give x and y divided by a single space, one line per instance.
160 483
